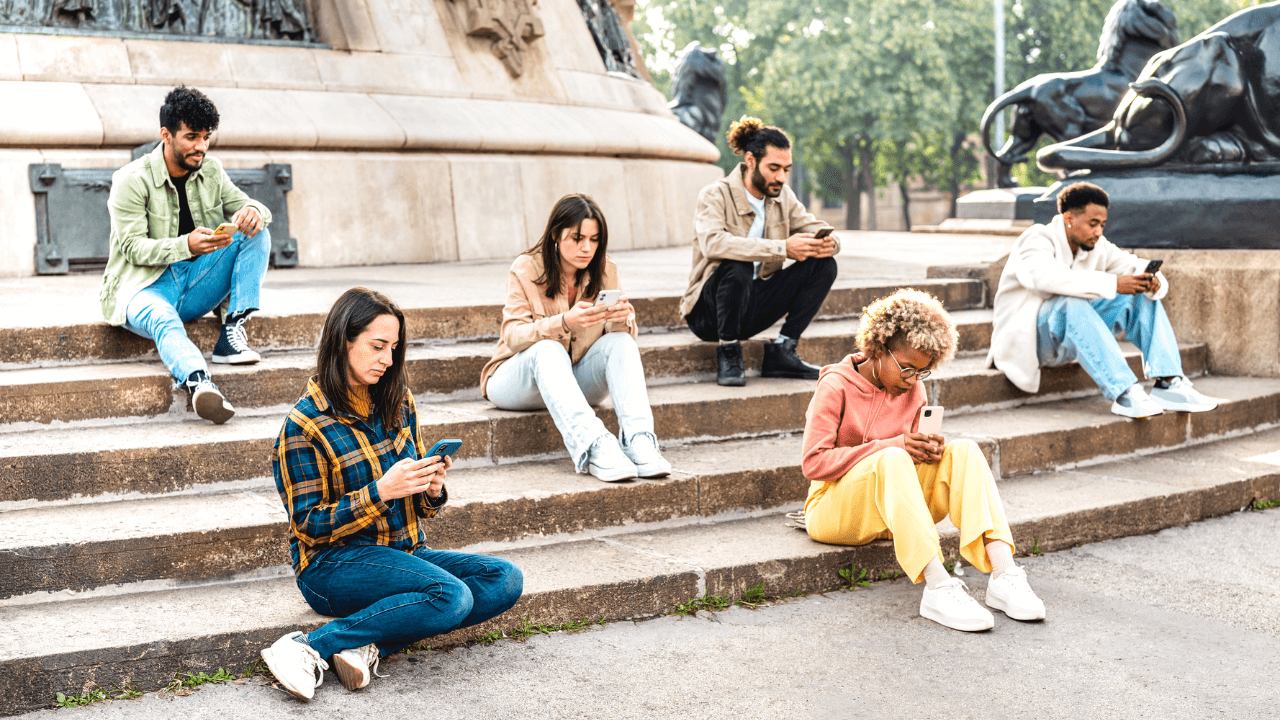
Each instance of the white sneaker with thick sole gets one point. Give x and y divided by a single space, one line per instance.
949 604
606 461
1181 397
1135 403
297 666
643 451
357 668
209 403
1011 595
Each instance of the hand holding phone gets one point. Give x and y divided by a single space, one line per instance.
444 448
1153 267
226 228
607 298
824 232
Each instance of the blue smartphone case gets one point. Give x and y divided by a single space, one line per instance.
444 447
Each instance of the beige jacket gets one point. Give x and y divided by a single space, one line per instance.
530 316
721 223
1041 266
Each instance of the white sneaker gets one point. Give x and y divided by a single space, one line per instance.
606 460
356 668
1181 396
208 401
1011 595
297 666
949 604
1134 403
643 451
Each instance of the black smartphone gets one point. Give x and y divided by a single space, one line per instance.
822 233
1153 266
444 448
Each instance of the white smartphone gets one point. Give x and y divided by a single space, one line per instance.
930 420
608 297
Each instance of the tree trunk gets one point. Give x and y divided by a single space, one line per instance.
868 181
852 206
906 205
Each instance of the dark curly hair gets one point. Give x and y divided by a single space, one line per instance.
1079 195
190 106
751 135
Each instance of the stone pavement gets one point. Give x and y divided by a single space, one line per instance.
1184 623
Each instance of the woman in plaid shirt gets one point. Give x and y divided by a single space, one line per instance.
350 469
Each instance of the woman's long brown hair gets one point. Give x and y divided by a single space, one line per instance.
350 316
569 212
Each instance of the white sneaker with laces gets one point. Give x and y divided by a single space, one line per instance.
643 451
208 401
357 668
606 460
1135 403
950 604
1180 396
297 666
1011 595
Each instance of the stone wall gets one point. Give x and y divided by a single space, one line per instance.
411 132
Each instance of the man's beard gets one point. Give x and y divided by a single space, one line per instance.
762 187
183 163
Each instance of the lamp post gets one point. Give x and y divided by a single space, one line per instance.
999 84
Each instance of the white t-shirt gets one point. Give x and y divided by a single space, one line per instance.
757 225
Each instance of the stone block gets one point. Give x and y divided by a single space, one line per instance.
17 207
593 88
345 24
47 114
90 158
130 113
408 26
389 73
1228 299
199 65
268 66
261 118
371 209
569 41
73 58
349 120
546 179
489 211
650 199
435 123
10 69
485 74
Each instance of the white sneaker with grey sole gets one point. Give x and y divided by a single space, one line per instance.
606 460
1180 396
949 604
209 403
1011 595
643 451
297 666
1135 403
357 668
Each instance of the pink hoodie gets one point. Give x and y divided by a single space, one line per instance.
850 419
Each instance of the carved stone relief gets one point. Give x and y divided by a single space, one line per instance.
229 19
510 24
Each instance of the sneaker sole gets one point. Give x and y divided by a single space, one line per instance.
963 626
235 360
731 382
1132 414
653 471
995 603
266 657
351 676
1183 407
607 477
213 407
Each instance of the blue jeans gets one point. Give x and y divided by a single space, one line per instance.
191 288
1071 328
394 598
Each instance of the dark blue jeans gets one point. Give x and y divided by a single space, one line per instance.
394 598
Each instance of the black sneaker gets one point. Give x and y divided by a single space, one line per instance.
233 346
206 400
729 370
781 361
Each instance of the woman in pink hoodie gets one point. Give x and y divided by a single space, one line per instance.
873 476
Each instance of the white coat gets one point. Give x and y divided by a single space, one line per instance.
1041 266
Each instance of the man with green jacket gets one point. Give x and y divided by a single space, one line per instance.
167 266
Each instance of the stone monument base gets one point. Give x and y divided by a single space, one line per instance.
1212 206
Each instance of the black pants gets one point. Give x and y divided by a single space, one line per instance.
734 306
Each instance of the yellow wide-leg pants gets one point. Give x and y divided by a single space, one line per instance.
887 496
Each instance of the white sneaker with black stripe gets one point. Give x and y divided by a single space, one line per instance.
233 345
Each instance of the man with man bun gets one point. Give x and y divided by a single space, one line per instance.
756 259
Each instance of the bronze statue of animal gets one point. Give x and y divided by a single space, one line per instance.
700 89
1068 105
1213 99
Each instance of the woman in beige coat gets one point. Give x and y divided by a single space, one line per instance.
562 351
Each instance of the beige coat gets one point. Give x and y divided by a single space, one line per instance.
1041 266
530 316
722 220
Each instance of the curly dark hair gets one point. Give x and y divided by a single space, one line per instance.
190 106
910 316
1079 195
751 135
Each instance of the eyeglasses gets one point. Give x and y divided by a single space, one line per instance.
908 373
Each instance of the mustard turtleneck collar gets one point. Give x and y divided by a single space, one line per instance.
361 400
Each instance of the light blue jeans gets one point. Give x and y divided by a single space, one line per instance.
191 288
1071 328
542 376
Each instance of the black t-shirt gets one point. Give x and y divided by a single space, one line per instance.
185 223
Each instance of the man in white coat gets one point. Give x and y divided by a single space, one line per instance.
1066 293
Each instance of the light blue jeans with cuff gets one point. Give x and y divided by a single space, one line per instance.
1071 328
543 376
189 289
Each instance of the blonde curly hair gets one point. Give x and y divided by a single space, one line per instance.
912 316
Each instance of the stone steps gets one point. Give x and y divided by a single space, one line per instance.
145 637
165 455
77 546
94 341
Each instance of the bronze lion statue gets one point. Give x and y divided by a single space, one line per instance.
1212 99
1068 105
700 90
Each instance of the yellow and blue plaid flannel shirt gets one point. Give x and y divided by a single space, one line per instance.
327 465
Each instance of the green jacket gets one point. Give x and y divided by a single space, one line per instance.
144 223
